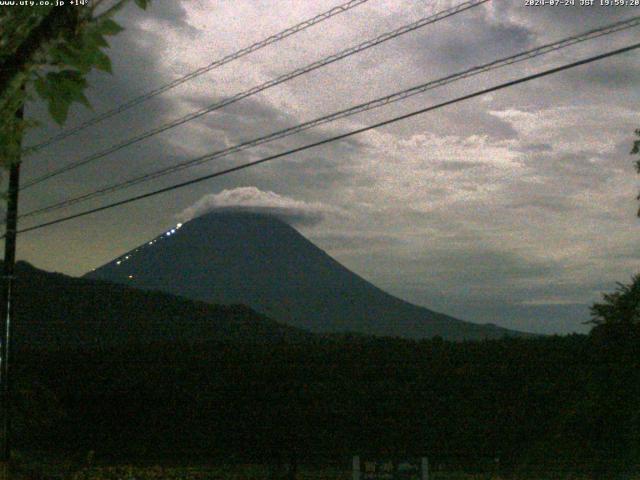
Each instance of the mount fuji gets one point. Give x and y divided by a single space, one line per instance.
233 257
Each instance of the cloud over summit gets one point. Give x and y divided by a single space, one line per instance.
254 200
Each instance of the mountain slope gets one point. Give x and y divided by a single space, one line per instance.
260 261
55 310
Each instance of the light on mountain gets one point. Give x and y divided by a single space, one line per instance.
118 262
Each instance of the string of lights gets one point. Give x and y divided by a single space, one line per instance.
363 107
351 133
262 87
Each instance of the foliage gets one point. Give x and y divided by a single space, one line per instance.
635 150
52 49
148 378
610 411
619 307
463 403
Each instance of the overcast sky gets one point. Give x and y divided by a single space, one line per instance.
516 208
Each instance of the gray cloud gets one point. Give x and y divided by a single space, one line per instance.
455 166
516 208
472 39
251 199
617 73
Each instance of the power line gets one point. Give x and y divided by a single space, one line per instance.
191 75
264 86
379 102
335 138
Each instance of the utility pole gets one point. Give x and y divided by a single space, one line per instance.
7 312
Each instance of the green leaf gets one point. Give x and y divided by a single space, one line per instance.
143 4
60 90
102 62
84 100
73 57
93 38
109 27
58 109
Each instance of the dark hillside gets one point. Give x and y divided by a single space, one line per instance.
55 310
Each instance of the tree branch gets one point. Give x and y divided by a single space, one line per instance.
57 20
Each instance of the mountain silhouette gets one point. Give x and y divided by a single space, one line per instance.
58 311
232 257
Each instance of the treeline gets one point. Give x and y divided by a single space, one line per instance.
518 405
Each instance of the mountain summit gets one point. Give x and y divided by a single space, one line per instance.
260 261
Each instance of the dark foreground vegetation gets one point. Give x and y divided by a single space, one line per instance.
567 404
109 375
